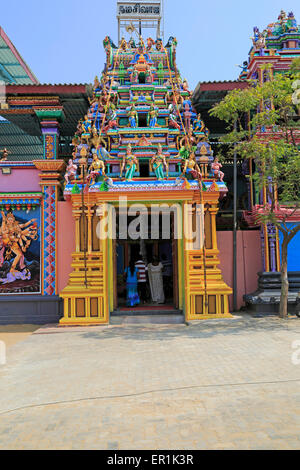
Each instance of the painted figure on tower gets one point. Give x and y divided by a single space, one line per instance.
133 116
191 168
96 169
129 164
216 169
152 117
158 163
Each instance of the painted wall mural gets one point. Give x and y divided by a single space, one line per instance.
20 248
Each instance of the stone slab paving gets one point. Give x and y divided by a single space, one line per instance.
213 385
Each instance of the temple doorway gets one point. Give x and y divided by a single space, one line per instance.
165 250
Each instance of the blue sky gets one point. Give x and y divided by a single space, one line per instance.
61 40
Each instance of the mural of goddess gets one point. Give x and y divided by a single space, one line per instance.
15 239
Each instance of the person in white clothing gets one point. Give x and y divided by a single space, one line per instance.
155 274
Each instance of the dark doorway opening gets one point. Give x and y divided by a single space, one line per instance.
144 169
166 250
142 78
142 120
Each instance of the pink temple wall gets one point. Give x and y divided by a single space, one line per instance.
65 243
20 180
249 261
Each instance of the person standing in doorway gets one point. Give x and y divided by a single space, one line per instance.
131 274
142 278
155 273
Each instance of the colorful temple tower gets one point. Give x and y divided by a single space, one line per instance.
141 149
273 51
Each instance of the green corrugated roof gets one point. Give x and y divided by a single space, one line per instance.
22 147
13 68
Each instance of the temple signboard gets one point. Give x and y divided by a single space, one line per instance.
144 9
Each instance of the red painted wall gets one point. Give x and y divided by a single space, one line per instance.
249 261
65 243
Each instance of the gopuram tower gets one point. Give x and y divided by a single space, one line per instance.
142 151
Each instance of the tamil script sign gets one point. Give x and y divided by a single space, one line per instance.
126 9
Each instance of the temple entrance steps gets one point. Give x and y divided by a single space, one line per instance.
147 315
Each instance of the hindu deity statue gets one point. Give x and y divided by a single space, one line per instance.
96 169
191 169
86 126
112 119
133 116
95 139
96 85
173 118
159 45
150 44
5 154
148 75
152 117
291 22
130 164
71 171
158 163
134 77
131 44
123 45
185 87
198 124
216 169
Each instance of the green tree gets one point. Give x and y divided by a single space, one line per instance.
263 120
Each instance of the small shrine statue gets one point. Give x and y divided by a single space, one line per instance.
104 82
130 164
86 126
123 45
134 77
112 119
152 117
185 86
191 169
5 154
131 44
216 169
95 139
96 169
96 83
150 44
71 171
133 116
158 163
159 45
292 22
172 118
198 124
148 75
83 160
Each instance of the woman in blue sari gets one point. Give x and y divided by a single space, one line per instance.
132 285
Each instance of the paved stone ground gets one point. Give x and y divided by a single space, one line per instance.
14 333
228 384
